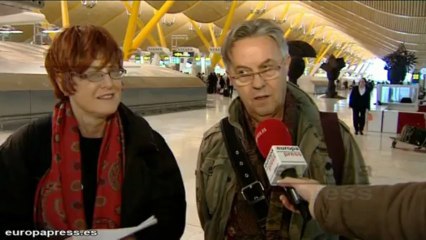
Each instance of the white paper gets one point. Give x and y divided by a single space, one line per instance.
119 233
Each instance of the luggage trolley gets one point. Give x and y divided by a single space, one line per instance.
411 135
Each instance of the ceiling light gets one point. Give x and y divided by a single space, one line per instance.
259 11
167 22
89 4
279 21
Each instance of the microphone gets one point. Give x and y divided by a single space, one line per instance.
283 159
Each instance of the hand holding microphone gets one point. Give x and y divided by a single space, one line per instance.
308 189
282 159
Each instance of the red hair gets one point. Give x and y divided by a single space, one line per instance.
74 50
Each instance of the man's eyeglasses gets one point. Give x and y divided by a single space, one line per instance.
116 74
266 74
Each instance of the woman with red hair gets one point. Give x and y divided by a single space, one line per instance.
93 164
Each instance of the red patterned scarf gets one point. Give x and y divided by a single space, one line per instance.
59 197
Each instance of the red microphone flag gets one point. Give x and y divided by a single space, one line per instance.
271 132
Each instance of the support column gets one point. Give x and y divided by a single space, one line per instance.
311 25
366 68
212 34
131 28
251 15
226 27
313 37
296 22
161 34
200 34
65 14
285 11
341 50
142 35
319 58
140 25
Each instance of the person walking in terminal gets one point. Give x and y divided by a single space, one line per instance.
365 212
256 58
359 101
229 86
93 164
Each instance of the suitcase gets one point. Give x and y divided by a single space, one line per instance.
413 135
226 92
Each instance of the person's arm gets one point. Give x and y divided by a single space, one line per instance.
16 182
168 198
202 208
366 212
209 179
351 98
369 98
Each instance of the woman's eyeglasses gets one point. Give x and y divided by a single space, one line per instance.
117 74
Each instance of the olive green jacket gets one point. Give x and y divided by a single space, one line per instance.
216 179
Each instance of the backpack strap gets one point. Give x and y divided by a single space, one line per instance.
252 189
334 141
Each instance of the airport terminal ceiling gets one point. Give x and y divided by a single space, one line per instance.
363 29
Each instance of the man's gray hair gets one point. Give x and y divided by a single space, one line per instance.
254 28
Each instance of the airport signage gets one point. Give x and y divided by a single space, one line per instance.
182 54
158 50
155 49
215 49
185 49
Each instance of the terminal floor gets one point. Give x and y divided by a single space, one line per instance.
183 132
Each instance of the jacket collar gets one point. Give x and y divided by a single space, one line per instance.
138 134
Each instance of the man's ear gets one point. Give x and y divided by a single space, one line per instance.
287 60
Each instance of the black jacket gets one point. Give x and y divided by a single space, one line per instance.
358 101
152 180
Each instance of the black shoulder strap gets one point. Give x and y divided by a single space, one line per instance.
252 189
336 150
333 140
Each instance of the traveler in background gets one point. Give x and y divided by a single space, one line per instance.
199 76
365 212
93 164
256 58
359 101
212 82
221 83
229 86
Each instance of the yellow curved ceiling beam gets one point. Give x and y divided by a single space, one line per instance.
316 15
285 11
160 33
217 57
150 25
295 23
178 6
131 28
257 7
65 15
140 25
200 34
211 27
